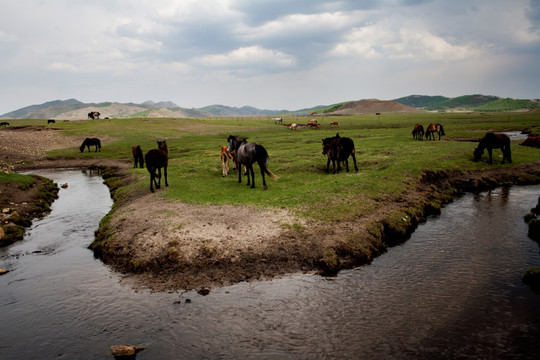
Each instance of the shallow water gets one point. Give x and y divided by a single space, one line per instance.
452 291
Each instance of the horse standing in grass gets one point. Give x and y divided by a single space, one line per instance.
418 132
155 160
90 142
138 157
493 141
339 149
432 129
225 156
247 154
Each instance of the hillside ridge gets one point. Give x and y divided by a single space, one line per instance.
73 109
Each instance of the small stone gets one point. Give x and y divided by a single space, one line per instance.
125 350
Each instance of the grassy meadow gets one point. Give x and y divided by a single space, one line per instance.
387 155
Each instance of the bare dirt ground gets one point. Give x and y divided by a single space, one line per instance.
167 246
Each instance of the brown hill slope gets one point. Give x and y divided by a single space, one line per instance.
373 106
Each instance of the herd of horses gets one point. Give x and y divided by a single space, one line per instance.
418 131
245 154
94 115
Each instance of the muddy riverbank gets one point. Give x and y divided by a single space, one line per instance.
173 246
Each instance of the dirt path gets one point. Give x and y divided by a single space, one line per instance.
171 245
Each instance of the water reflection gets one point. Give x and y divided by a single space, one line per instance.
452 291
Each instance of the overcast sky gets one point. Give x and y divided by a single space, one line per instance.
271 54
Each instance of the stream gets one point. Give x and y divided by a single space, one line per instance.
453 290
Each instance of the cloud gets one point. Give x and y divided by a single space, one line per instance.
245 59
309 49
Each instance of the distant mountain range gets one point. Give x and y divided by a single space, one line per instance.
73 109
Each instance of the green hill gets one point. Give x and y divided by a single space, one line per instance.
421 101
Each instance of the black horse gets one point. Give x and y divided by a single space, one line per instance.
338 149
138 157
247 154
91 142
493 141
155 160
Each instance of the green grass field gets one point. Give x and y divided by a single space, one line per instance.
388 157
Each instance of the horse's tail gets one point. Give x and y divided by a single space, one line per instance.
442 130
262 160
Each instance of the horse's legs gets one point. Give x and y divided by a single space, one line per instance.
152 178
328 165
165 174
354 159
158 183
239 168
263 168
490 155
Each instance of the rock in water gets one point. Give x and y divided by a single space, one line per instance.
125 350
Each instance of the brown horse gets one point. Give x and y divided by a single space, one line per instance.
339 149
247 154
493 141
225 156
138 157
155 160
432 129
418 132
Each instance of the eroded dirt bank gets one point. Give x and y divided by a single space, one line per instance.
171 246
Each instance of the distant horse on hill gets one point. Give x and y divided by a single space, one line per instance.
138 157
247 154
94 115
432 129
90 142
155 160
494 141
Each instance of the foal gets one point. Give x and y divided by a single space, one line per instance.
225 156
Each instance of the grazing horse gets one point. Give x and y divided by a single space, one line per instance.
418 132
434 128
278 120
292 126
493 141
138 157
225 156
339 149
90 142
334 123
247 154
4 123
51 121
155 160
93 115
